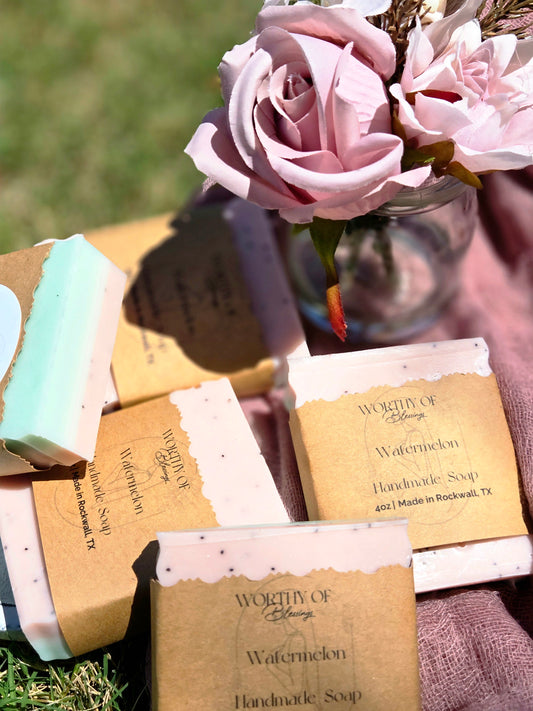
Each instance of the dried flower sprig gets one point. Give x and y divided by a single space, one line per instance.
398 21
501 17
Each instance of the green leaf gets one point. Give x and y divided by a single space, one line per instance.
464 175
326 235
440 156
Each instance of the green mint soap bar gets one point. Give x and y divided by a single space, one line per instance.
54 389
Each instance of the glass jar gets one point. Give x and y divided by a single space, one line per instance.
398 266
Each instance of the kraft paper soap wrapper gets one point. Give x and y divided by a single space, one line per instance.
186 316
360 627
443 457
21 272
98 521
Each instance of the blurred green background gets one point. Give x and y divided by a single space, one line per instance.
97 102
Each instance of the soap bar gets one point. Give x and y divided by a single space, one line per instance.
235 476
473 563
414 430
185 460
54 392
26 568
9 621
206 297
307 614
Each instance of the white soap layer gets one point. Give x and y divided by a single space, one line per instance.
197 554
296 548
328 377
473 563
27 573
235 476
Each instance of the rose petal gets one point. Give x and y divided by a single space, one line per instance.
440 118
321 58
339 25
344 206
214 154
361 105
373 158
232 64
419 55
440 33
272 137
241 107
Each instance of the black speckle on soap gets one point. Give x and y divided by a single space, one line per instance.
231 570
202 538
221 552
168 570
36 580
272 568
26 548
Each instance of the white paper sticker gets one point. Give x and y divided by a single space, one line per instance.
10 323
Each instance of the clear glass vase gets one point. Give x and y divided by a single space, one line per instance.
398 266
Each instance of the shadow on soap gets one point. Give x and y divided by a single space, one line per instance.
144 569
189 288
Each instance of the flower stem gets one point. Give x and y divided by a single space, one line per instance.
326 235
375 226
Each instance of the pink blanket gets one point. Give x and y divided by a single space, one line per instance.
475 645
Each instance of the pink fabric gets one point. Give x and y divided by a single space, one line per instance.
475 645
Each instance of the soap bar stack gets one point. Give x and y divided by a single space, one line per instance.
54 390
321 381
236 488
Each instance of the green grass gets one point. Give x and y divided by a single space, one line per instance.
97 102
111 679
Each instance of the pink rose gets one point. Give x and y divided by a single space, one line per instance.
479 94
306 125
